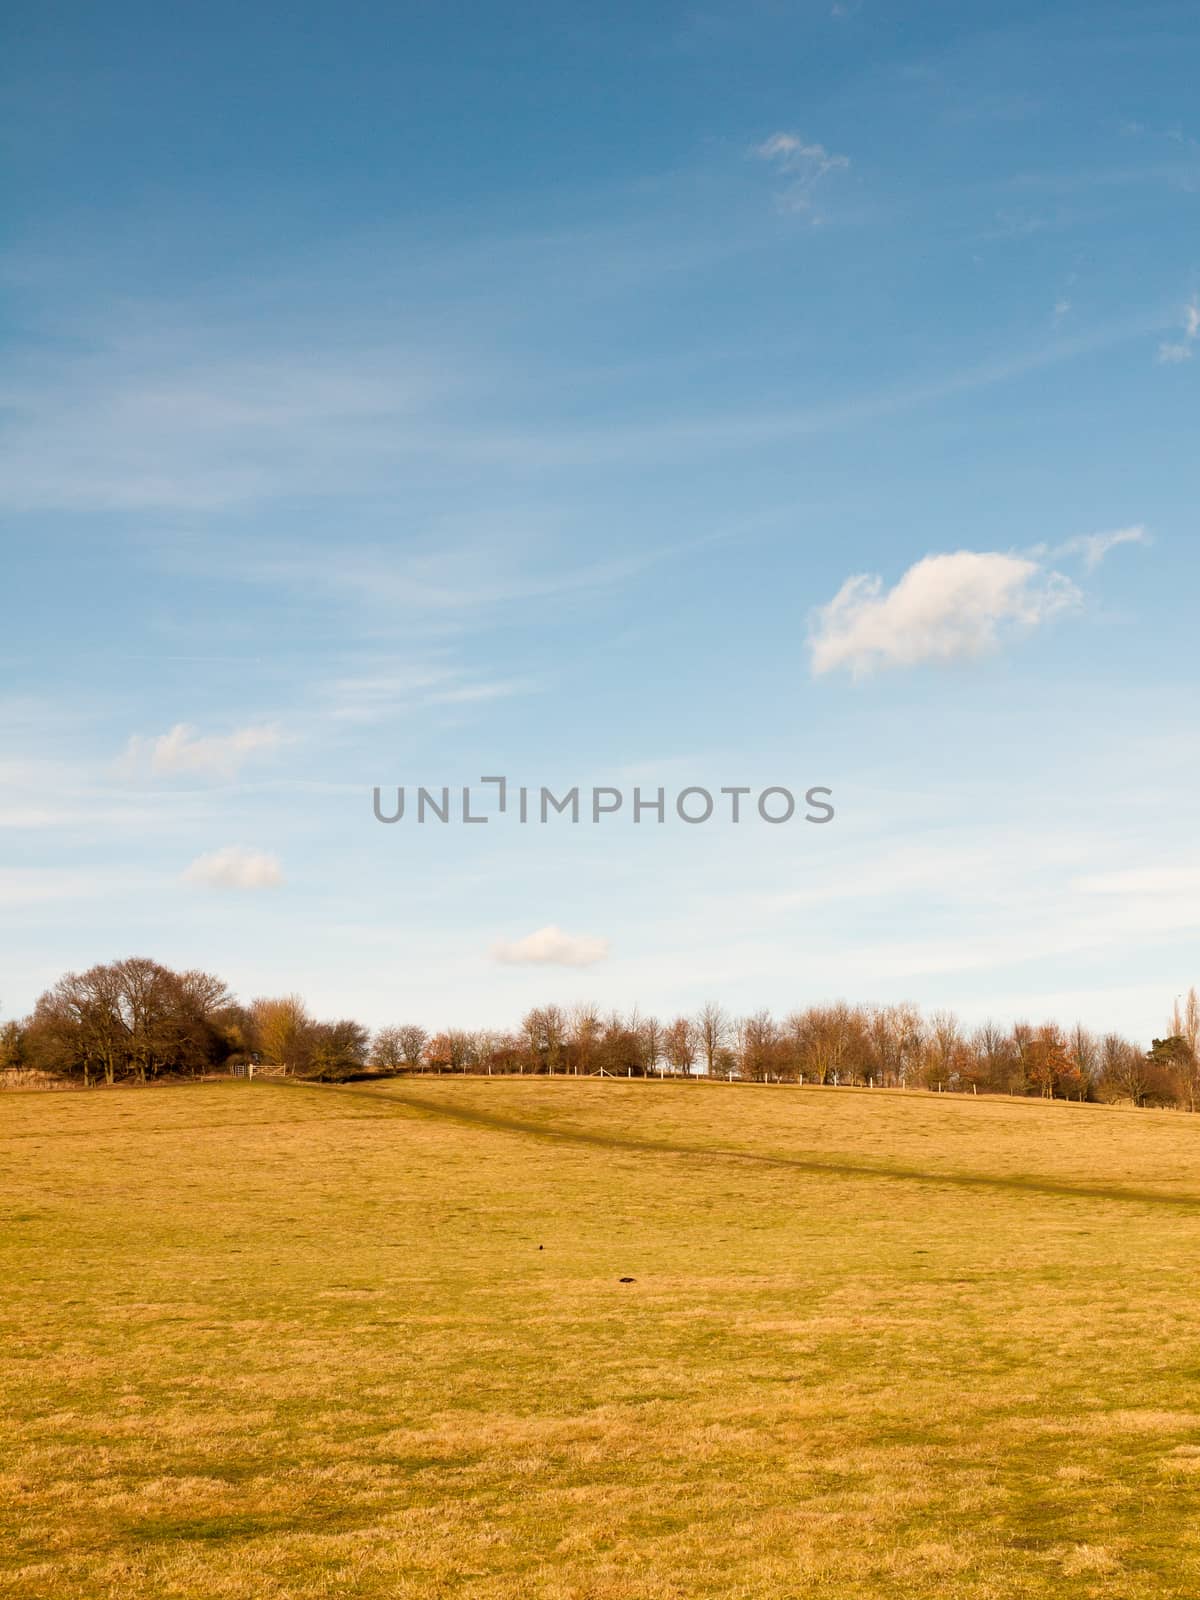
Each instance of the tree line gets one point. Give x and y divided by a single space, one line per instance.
139 1021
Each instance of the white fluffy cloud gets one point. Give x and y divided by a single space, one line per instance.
183 751
551 947
944 608
234 868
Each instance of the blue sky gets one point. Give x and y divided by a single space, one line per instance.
663 395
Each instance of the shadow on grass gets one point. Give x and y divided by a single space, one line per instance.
393 1102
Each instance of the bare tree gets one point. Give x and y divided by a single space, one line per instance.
651 1033
1186 1026
1084 1051
679 1045
584 1030
13 1046
758 1042
884 1036
829 1044
1125 1069
545 1030
498 1052
1191 1020
620 1050
387 1053
412 1039
283 1031
134 1019
896 1037
941 1047
1023 1036
996 1056
712 1029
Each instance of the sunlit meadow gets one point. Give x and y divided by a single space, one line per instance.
269 1339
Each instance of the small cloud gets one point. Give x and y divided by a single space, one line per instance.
803 164
1062 308
183 751
234 868
551 947
945 608
779 147
1094 547
1170 354
789 153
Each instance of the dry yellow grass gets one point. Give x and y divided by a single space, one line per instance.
266 1340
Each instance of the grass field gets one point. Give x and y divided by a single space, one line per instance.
266 1339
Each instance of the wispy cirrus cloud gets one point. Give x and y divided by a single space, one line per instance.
235 868
183 752
377 696
944 608
1095 547
1174 880
23 887
447 583
551 947
802 163
138 420
126 421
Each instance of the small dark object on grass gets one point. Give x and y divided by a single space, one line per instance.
627 1280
